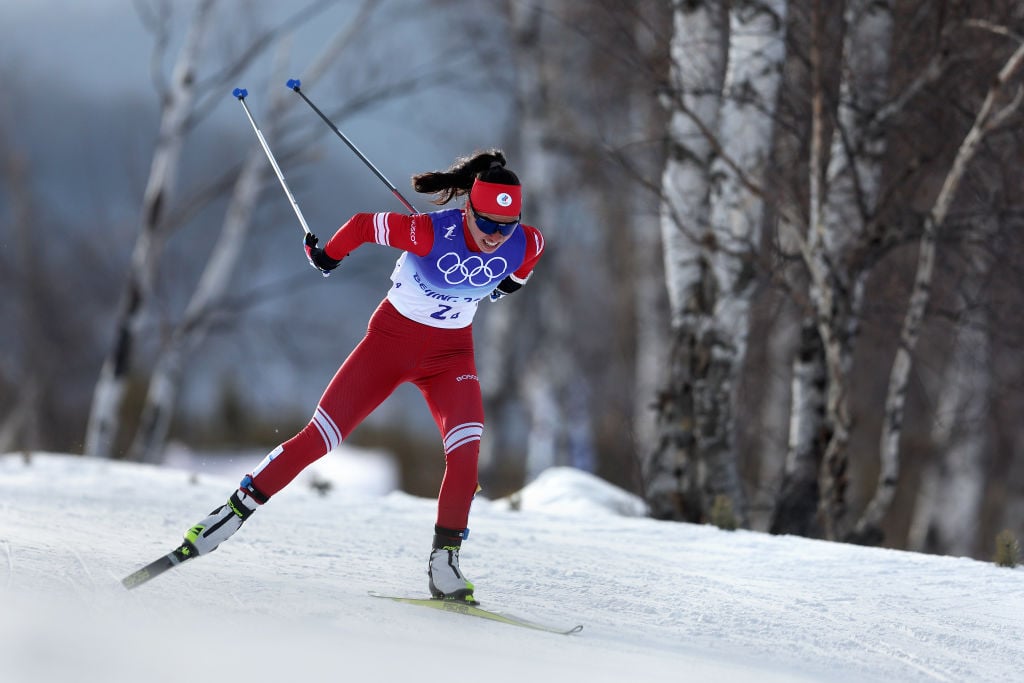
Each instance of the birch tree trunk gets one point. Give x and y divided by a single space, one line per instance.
698 62
990 116
842 209
844 239
796 506
178 100
947 514
757 54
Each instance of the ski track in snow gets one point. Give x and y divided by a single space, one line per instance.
288 594
10 564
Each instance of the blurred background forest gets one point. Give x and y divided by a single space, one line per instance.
782 280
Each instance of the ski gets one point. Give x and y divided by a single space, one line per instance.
157 567
476 611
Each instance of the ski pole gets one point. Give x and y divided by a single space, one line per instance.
241 94
295 84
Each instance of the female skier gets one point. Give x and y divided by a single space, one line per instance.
420 333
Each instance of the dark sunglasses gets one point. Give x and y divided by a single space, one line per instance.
489 227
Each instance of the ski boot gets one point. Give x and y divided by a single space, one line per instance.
220 524
446 580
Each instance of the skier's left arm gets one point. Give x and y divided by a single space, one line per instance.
515 281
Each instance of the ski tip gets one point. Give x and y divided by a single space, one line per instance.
294 84
240 93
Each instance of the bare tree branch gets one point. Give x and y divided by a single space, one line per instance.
211 90
869 525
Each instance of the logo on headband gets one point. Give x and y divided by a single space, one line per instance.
496 198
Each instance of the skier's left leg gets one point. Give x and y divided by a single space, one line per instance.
456 403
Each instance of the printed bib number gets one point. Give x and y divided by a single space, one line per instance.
442 313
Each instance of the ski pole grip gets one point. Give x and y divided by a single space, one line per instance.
293 84
240 93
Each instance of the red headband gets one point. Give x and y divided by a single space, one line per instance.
496 199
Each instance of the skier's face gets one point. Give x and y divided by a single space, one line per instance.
489 231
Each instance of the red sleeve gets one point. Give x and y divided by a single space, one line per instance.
534 248
413 233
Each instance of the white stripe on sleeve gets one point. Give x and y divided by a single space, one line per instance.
381 231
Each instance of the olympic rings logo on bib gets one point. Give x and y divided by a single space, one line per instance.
474 269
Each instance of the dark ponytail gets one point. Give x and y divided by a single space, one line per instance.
458 179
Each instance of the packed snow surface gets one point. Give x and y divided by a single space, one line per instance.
287 597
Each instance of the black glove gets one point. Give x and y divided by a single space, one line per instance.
318 258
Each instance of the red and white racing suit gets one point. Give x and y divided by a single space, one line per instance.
421 333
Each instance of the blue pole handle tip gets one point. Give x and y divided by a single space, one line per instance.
293 83
240 93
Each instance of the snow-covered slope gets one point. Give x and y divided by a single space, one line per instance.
286 598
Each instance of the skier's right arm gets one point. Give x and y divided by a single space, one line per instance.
413 233
318 257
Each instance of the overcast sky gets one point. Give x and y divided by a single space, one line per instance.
97 44
101 47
